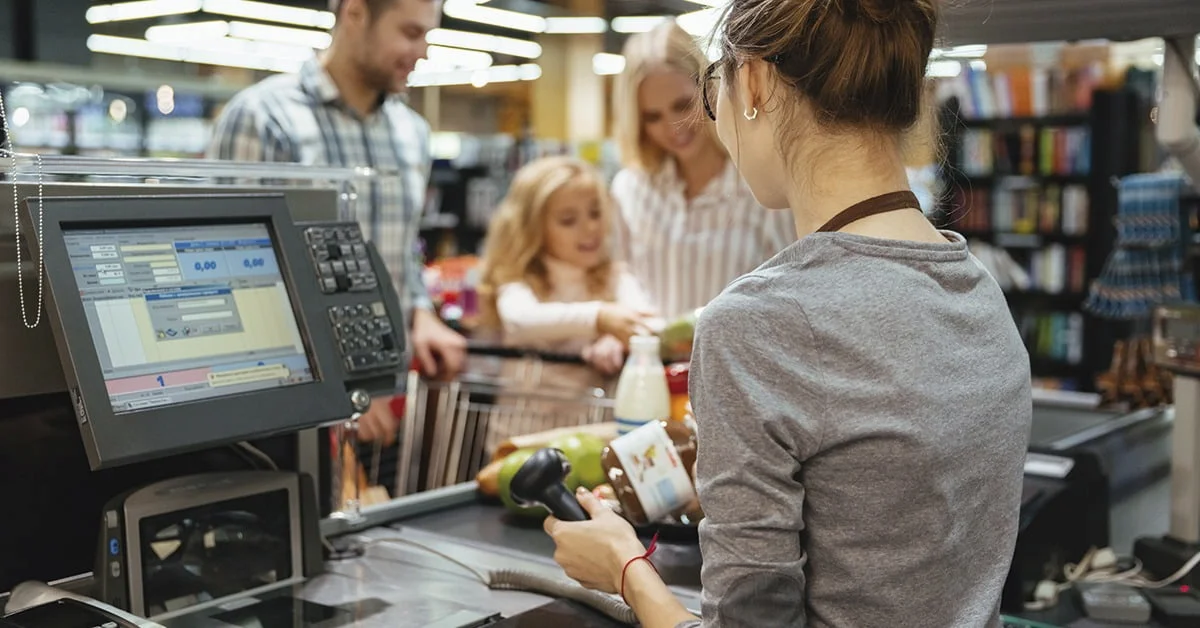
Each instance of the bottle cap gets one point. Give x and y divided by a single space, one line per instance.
644 342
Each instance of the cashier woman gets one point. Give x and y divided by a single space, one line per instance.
863 398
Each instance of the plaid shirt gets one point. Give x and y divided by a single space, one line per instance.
301 118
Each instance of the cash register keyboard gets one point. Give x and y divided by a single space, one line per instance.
359 318
341 258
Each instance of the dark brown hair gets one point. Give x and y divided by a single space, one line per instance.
857 63
374 7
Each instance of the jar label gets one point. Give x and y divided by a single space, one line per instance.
655 470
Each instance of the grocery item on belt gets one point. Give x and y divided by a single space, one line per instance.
651 471
602 431
677 337
677 383
642 392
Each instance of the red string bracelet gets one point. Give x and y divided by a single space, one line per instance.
645 557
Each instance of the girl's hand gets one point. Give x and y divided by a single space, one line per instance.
606 355
594 552
620 321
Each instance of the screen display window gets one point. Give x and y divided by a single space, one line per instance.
181 314
214 551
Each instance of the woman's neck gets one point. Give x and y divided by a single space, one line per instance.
706 165
829 185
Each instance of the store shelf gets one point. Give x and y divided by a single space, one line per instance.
1062 119
1012 240
1026 180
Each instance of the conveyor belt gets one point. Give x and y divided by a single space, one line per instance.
1054 425
679 563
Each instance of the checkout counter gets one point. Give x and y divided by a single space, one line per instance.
200 335
155 502
175 523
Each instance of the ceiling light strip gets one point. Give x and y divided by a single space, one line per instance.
140 10
468 11
268 12
488 43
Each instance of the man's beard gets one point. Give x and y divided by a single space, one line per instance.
379 79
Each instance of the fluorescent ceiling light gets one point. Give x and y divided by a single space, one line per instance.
268 12
494 74
182 33
218 29
699 23
468 11
140 10
280 35
637 23
606 64
220 53
964 52
944 69
442 59
576 25
490 43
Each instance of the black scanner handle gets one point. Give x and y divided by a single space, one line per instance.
540 481
563 505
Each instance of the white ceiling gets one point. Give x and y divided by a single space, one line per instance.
1016 21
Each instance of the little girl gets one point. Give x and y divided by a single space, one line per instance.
549 284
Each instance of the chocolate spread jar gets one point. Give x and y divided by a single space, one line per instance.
650 470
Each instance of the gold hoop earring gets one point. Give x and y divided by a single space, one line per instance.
751 116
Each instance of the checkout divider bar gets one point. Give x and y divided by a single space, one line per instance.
496 351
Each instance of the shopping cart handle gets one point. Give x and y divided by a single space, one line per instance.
517 352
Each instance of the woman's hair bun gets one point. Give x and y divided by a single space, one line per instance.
878 11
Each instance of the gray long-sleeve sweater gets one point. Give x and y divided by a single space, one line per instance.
863 409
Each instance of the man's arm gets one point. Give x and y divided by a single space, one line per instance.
753 398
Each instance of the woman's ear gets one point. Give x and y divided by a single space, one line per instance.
752 84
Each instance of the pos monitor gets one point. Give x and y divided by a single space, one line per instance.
188 322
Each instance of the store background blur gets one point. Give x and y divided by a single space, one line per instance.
514 80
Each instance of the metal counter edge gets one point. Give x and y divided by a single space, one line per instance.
398 509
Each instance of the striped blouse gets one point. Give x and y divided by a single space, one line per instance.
684 252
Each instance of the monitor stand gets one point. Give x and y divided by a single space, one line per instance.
1163 556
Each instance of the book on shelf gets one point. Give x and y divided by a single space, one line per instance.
1027 151
1022 92
1056 336
1045 209
1055 269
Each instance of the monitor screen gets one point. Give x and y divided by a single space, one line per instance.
186 313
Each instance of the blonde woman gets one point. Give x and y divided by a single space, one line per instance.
686 222
550 284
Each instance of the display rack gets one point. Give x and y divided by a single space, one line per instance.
1038 191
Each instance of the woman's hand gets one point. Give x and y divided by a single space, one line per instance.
620 321
594 552
606 355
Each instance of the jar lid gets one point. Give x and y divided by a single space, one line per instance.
677 378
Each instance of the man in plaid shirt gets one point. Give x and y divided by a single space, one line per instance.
347 109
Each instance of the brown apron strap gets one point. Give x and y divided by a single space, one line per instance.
890 202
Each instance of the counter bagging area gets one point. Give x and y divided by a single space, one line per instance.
186 347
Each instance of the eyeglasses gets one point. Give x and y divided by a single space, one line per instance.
708 87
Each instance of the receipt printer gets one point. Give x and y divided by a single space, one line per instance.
37 605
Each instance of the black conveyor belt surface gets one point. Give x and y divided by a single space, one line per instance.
486 523
679 563
1051 425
